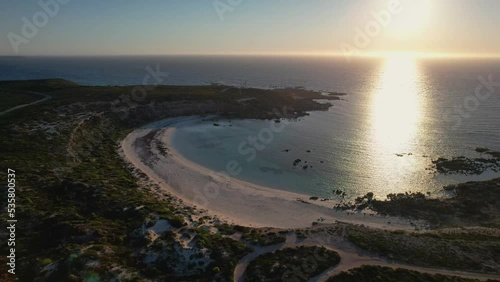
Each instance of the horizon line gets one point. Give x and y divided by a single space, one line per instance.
290 54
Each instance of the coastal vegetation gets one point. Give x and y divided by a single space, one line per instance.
457 249
387 274
291 264
262 238
472 204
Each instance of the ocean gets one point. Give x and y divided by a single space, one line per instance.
399 114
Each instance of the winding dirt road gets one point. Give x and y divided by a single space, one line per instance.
351 257
45 98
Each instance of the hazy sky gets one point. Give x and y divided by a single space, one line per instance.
127 27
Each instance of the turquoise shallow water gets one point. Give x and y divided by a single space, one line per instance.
337 160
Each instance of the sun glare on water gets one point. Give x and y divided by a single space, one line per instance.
396 111
396 107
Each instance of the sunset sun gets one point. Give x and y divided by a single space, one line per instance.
416 16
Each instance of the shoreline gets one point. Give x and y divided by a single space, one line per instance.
230 199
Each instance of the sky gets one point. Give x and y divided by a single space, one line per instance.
249 27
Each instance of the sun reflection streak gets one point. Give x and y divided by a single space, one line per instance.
395 121
396 107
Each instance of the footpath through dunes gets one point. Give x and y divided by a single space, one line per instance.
150 150
18 94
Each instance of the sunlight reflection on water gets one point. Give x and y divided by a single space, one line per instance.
395 119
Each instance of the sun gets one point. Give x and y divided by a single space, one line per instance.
415 17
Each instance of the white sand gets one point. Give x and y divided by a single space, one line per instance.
230 199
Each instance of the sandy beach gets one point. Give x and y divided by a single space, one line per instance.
150 149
